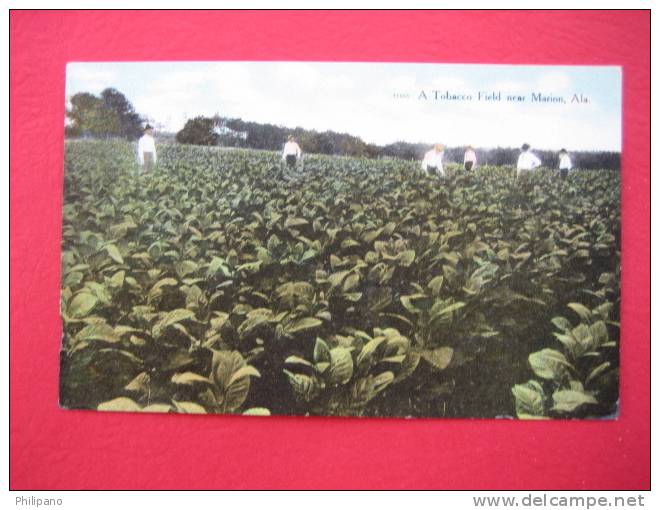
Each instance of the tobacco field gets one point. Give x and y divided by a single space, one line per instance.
224 283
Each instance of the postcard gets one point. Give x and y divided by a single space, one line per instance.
342 239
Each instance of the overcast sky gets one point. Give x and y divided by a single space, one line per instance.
359 98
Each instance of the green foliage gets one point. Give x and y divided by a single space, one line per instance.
107 115
205 287
199 131
581 381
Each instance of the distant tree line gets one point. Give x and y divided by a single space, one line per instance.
231 132
108 115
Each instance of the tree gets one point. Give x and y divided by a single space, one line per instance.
130 123
90 116
199 131
111 114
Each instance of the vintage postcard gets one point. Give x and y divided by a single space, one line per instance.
344 239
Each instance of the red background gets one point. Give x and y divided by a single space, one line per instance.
51 448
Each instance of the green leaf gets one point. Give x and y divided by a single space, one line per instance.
341 366
407 303
406 258
188 407
253 320
570 400
599 333
295 222
581 310
119 404
171 318
246 371
436 284
529 400
300 325
321 351
336 279
549 364
369 349
450 309
351 282
81 305
139 384
156 408
97 331
304 386
113 251
439 358
297 360
562 323
189 378
216 266
117 280
256 411
597 372
158 287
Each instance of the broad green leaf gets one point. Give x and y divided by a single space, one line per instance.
188 407
158 287
529 400
189 378
336 279
113 251
406 258
243 372
369 349
321 351
81 305
436 284
97 331
548 364
305 387
597 372
295 222
305 324
216 266
171 318
439 358
117 280
156 408
569 400
382 380
297 360
256 411
581 310
562 323
119 404
341 365
351 282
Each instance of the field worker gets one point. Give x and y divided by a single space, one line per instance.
470 158
527 161
565 163
432 162
147 149
291 152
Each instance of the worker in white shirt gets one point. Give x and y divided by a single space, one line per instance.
565 163
432 162
527 161
147 149
291 152
470 158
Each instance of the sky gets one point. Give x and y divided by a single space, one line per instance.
381 103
